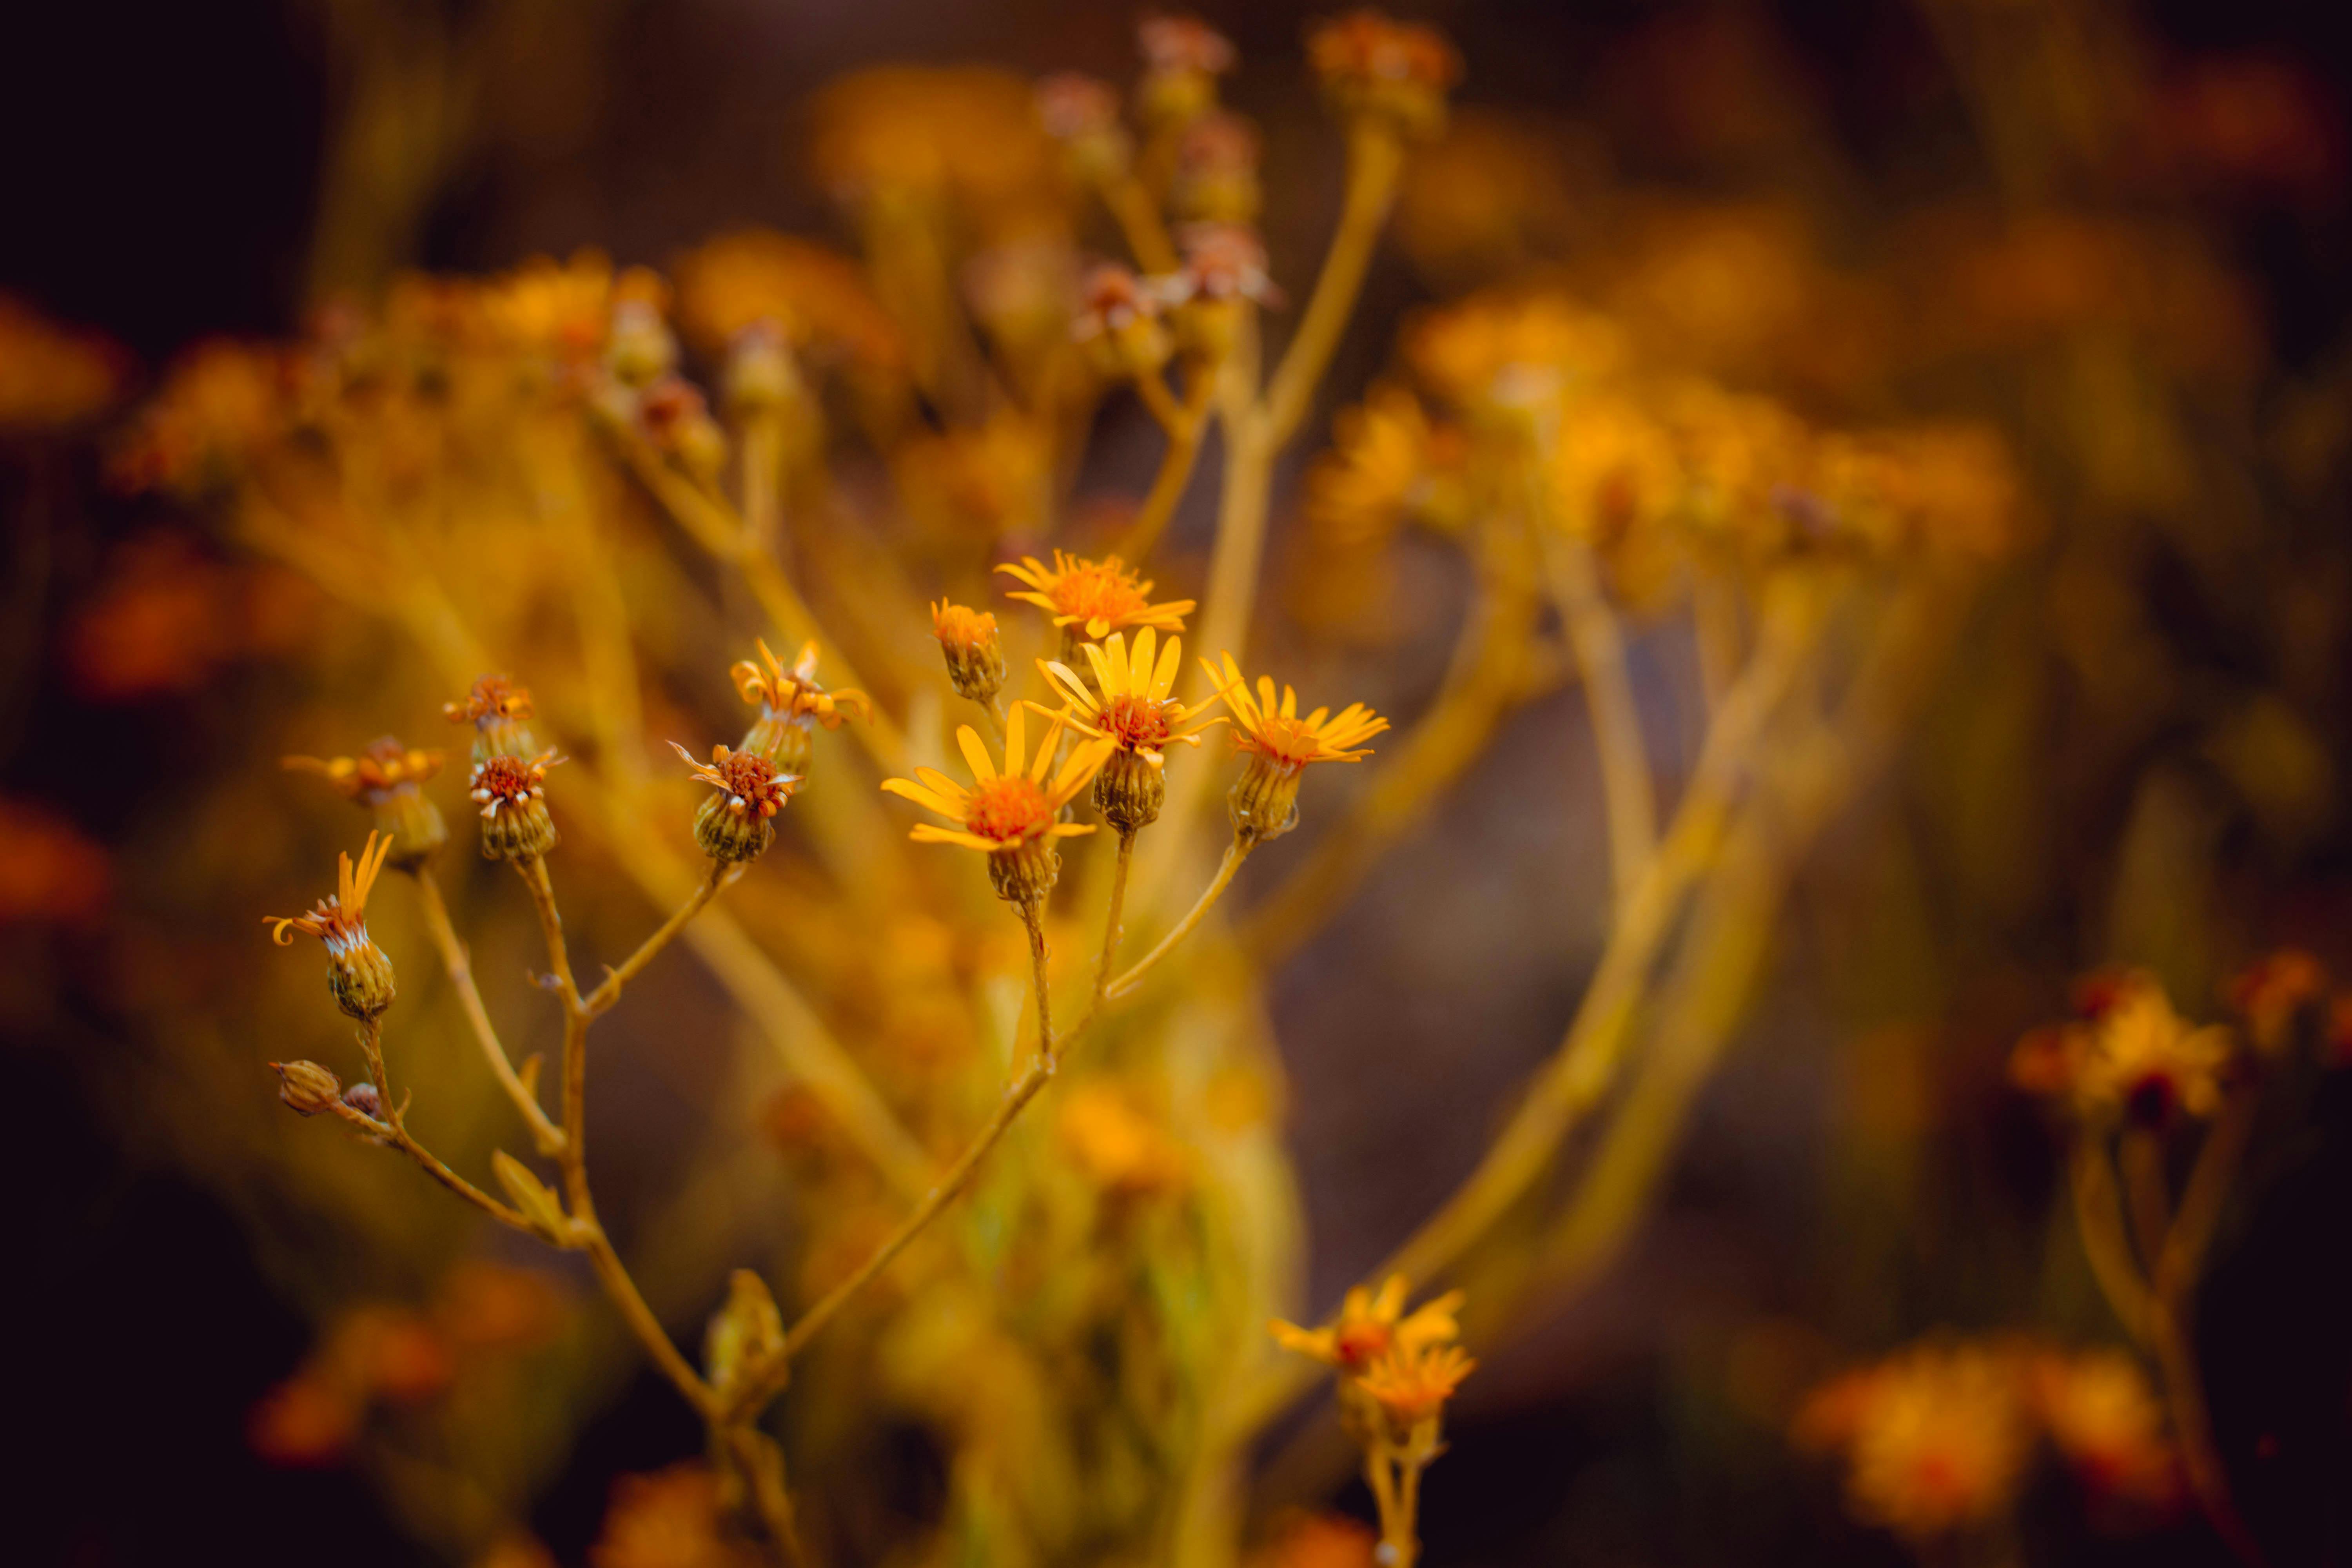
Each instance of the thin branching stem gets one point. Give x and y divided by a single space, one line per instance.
546 1136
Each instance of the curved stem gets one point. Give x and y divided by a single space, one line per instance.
1375 159
722 875
1147 237
1111 920
534 873
1184 432
2098 1221
1626 790
394 1129
1235 853
546 1136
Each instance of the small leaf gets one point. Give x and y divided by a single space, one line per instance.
747 1331
532 1196
529 1074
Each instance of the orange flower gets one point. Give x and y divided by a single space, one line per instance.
2108 1423
1369 1326
1280 744
385 777
1412 1383
736 824
500 711
1934 1437
969 641
1097 597
1134 711
1005 809
359 974
2273 991
2135 1056
791 701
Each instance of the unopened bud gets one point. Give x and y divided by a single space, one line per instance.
306 1088
363 1099
641 348
975 656
1265 800
1129 790
760 371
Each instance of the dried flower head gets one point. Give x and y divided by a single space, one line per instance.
512 794
968 642
385 778
1224 262
1369 1326
357 970
1081 112
1182 57
1934 1437
500 711
1412 1384
791 704
1216 177
1011 816
1129 704
675 418
738 822
1094 597
306 1088
1377 67
1119 323
1280 744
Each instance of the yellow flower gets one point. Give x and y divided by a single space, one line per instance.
1011 816
1933 1438
1386 463
1263 802
815 297
1369 1326
1097 597
359 972
1122 1151
1134 710
385 777
2132 1054
1397 71
2105 1419
1497 352
1412 1383
790 702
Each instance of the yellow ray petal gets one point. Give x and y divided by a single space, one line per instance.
1164 676
929 800
975 755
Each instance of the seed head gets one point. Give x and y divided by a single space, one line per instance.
306 1088
512 794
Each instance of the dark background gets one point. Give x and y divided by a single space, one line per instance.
162 161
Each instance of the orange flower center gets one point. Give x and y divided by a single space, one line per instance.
1009 810
750 783
1287 743
1136 724
1359 1344
506 778
1098 591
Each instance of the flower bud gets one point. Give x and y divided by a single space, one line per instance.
1379 68
1263 801
1216 170
640 348
1182 57
512 794
1120 326
1082 114
1023 873
363 1099
499 712
968 640
762 376
1130 790
306 1088
738 822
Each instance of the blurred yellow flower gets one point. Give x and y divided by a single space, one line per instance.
1413 1382
1369 1326
1097 596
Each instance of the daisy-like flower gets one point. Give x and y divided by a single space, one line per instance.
1280 744
2132 1054
1129 704
358 973
512 794
384 778
791 704
968 640
1008 815
499 712
737 823
1091 599
1411 1386
1369 1326
1934 1437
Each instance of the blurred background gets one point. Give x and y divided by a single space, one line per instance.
2120 233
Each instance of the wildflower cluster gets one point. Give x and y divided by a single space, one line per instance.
1395 1369
1939 1438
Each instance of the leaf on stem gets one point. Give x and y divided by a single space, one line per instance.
532 1196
